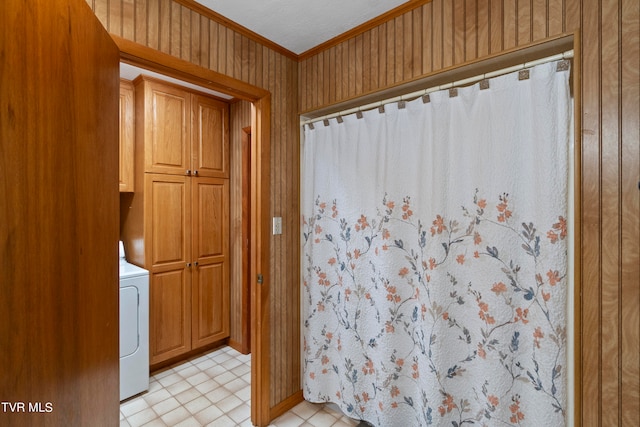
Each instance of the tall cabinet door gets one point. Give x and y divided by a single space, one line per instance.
210 225
166 134
169 251
210 137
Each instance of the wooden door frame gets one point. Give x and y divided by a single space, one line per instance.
245 305
151 59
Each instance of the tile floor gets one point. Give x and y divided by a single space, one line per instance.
214 390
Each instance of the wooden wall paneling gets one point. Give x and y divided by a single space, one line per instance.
128 16
397 40
437 40
416 36
164 32
326 77
389 66
459 31
448 30
153 24
222 50
231 53
591 333
496 35
630 247
572 15
140 21
523 22
555 17
101 10
185 33
205 49
322 80
330 61
260 55
175 30
194 45
539 19
350 65
276 241
630 211
246 59
471 30
408 46
343 60
314 78
358 69
302 71
510 23
427 38
366 62
115 16
237 55
611 237
336 53
374 55
213 46
383 57
483 23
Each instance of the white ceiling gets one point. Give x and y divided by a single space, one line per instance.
299 25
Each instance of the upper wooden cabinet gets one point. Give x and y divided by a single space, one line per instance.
127 135
210 137
183 132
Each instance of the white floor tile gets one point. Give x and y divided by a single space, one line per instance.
174 417
214 390
142 417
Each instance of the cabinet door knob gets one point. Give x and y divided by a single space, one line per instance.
189 264
188 172
195 172
195 263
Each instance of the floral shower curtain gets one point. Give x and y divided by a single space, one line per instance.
435 256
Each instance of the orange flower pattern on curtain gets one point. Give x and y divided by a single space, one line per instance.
435 248
422 300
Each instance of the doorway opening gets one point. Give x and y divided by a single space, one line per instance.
255 313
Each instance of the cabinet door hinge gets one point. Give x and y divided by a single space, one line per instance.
260 278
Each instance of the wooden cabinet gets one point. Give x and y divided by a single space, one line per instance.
127 135
177 226
210 252
187 242
210 136
184 133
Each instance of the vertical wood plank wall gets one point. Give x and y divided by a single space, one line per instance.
444 33
172 28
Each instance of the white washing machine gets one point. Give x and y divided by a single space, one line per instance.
134 328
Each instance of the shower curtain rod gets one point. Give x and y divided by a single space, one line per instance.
409 96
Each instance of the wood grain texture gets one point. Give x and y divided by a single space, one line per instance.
608 95
58 215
